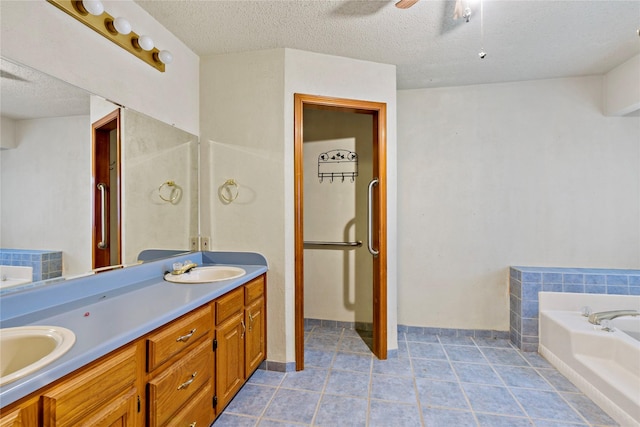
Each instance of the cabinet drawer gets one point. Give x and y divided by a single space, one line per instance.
176 336
198 412
74 399
253 290
229 304
179 382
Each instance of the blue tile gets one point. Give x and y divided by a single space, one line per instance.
434 369
415 337
497 400
493 342
463 340
530 291
356 345
488 420
550 423
464 354
233 420
311 379
589 410
318 358
340 410
251 400
634 280
385 414
517 376
273 423
617 290
426 350
536 360
552 287
440 417
595 279
398 389
265 377
530 309
352 362
441 393
575 289
634 290
504 356
477 373
324 341
531 277
551 278
397 367
545 404
304 402
348 383
595 289
571 278
616 279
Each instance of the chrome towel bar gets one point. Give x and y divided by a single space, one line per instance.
341 244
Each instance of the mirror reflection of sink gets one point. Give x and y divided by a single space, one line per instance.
11 275
206 274
26 349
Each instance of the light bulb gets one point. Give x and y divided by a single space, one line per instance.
165 57
145 42
94 7
122 25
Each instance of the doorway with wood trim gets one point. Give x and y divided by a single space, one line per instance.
106 228
375 185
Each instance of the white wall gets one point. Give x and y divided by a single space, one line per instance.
527 173
41 183
247 134
39 35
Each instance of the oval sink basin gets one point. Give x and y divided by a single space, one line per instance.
26 349
212 273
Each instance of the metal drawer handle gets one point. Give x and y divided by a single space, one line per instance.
244 328
188 382
250 322
193 424
186 337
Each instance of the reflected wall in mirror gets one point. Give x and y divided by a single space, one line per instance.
46 188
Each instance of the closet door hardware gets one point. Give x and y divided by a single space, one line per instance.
373 251
342 244
104 242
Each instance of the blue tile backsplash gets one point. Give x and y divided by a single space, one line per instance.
46 264
526 282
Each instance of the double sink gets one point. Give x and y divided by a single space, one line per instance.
26 349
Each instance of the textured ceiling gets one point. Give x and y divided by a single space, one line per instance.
524 40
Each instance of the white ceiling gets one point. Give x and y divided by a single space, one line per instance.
524 40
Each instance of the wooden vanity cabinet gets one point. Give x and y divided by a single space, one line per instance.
240 337
183 373
180 367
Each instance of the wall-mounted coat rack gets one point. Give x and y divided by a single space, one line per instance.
338 163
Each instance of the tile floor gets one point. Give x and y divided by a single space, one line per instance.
433 381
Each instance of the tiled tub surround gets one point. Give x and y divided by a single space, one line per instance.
45 264
526 282
605 365
433 381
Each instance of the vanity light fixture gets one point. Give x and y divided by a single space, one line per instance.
118 30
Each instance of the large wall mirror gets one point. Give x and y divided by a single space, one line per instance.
50 198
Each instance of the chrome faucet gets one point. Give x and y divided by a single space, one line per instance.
596 318
185 268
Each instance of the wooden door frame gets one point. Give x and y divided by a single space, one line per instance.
99 133
379 112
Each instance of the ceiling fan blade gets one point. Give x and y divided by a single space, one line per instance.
405 4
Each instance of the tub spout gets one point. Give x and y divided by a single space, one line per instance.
596 318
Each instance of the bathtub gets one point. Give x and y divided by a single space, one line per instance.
603 365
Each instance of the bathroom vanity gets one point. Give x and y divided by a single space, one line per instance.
149 352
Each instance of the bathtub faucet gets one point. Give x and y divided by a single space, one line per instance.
596 318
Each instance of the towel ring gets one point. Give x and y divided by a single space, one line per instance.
228 186
173 195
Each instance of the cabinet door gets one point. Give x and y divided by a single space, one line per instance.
79 397
256 331
230 359
120 412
